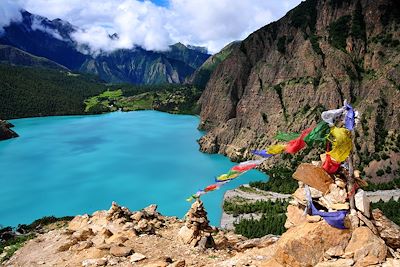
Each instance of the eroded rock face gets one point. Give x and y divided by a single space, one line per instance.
388 230
265 86
305 244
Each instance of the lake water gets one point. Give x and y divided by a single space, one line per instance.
71 165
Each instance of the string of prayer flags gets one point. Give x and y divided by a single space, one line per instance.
297 144
349 120
262 153
330 116
342 144
335 218
276 149
281 136
318 134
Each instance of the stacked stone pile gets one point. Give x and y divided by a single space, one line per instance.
197 231
370 237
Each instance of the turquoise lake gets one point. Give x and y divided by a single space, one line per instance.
70 165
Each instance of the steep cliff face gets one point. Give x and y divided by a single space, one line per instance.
286 73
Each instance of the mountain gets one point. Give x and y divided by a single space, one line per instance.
45 38
139 66
284 74
53 39
14 56
202 74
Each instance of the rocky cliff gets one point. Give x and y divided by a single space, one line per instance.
5 131
286 73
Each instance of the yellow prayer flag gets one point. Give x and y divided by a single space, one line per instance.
342 144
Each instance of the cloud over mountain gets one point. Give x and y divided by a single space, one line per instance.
207 23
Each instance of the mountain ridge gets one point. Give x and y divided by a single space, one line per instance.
53 39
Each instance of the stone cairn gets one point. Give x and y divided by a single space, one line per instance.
197 231
331 193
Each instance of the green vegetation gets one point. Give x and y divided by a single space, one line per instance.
33 92
13 245
269 207
339 31
386 40
29 92
358 24
178 99
305 16
280 180
394 184
390 209
282 44
267 224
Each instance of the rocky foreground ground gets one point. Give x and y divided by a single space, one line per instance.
119 237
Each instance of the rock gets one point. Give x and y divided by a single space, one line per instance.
180 263
135 257
353 218
67 245
294 216
362 202
120 251
78 222
334 252
83 235
262 242
5 131
367 222
340 206
391 263
186 235
151 210
83 245
158 263
206 242
388 230
106 232
305 245
364 243
313 219
313 176
336 195
337 263
137 216
94 262
340 183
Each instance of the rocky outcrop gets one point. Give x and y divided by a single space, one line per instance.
388 231
5 131
286 73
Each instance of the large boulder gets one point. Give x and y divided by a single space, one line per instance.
306 244
366 248
313 176
388 230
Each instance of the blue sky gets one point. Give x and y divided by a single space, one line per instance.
155 24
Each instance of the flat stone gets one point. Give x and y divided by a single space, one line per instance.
120 251
136 257
367 222
362 202
94 262
313 176
337 263
340 206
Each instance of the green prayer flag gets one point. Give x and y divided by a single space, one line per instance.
281 136
318 134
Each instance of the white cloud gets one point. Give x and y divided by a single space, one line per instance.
210 23
9 11
37 25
